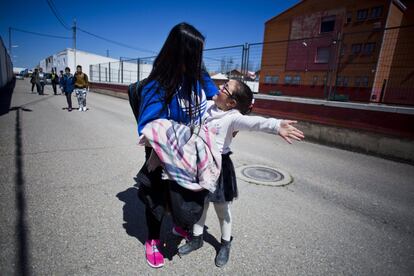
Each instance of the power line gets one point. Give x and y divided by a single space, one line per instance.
40 34
117 43
55 12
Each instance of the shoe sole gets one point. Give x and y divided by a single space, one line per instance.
154 266
150 264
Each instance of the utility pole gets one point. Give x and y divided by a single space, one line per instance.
74 42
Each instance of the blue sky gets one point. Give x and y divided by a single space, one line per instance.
142 24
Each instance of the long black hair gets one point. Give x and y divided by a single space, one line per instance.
179 63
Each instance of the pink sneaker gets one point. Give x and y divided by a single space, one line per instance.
178 231
154 257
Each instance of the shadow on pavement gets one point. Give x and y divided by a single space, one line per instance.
133 214
22 235
136 226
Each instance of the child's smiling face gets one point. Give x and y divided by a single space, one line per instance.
224 99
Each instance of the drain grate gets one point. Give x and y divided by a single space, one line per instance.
263 175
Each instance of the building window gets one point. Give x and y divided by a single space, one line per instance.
345 81
315 80
356 48
275 79
364 81
268 79
296 80
348 17
368 48
339 81
322 55
357 82
362 14
376 12
327 24
288 79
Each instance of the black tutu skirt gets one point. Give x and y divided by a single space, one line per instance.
226 189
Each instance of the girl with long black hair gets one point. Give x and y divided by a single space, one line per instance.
176 89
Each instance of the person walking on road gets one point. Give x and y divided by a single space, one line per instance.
55 80
81 87
42 81
60 82
67 83
34 79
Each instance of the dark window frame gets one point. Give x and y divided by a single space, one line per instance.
318 61
362 14
353 48
286 78
378 10
327 24
368 49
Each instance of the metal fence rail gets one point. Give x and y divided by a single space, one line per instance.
371 66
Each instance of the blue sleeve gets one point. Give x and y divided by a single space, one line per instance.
209 87
152 106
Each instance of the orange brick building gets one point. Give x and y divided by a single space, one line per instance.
348 48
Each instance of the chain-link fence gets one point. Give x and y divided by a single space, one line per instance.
123 71
373 66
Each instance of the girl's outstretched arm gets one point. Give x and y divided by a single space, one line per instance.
287 131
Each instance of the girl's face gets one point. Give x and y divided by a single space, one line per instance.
224 99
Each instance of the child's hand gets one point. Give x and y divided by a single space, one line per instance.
288 132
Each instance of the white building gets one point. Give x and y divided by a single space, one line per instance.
99 68
66 58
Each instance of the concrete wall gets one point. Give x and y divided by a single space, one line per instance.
346 125
6 66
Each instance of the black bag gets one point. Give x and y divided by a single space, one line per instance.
134 96
186 206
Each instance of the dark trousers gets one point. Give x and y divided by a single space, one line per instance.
185 206
154 224
54 88
40 88
69 100
33 85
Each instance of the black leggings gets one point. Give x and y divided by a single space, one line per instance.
154 225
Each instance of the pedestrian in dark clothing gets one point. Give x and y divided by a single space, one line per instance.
33 79
55 80
68 84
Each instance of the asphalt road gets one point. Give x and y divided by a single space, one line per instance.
69 207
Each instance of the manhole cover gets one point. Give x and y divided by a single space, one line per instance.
263 175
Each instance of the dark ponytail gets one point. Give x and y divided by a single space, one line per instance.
243 96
